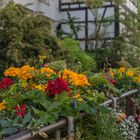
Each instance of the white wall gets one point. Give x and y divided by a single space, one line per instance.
49 8
129 6
107 30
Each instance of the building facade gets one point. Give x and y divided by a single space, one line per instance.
73 16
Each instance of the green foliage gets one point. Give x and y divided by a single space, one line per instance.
102 55
100 126
76 56
98 80
24 36
57 65
124 49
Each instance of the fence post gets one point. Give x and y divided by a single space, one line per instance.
114 102
58 135
130 106
71 134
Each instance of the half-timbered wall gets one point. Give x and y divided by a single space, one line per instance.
86 19
61 10
109 29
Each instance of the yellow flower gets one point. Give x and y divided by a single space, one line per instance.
47 71
74 78
111 73
121 70
41 58
40 87
138 79
130 73
76 96
2 105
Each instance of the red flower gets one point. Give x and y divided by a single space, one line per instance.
112 81
6 82
20 110
57 86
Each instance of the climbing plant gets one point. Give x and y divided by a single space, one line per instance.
126 44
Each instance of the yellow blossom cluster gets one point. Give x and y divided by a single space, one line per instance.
121 70
129 73
138 79
2 105
78 97
47 71
40 87
74 78
24 73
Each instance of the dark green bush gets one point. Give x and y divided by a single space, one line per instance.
25 36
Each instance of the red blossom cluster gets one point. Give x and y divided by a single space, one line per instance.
6 82
20 110
111 79
57 86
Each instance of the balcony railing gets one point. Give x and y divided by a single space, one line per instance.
69 123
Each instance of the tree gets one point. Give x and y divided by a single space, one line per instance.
25 37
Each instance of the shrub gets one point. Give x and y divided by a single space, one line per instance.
75 55
25 37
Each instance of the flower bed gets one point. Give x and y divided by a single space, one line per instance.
32 98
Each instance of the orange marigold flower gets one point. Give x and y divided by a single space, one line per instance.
2 105
121 70
74 78
26 72
47 71
130 73
12 71
76 96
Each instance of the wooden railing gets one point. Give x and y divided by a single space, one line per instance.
68 123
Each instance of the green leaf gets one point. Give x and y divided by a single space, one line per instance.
9 131
104 109
58 65
4 123
27 118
